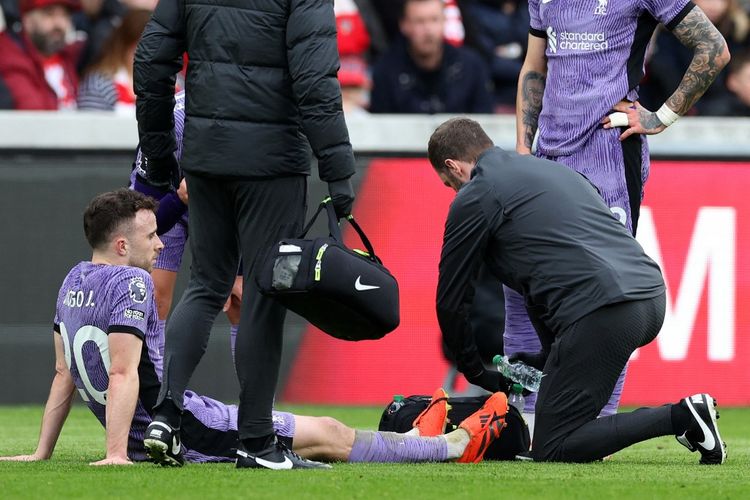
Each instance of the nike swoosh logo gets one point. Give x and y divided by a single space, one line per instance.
708 442
361 287
176 446
546 1
286 464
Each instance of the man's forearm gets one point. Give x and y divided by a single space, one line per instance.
122 396
710 55
531 85
55 413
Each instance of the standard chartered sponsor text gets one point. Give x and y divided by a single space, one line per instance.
584 41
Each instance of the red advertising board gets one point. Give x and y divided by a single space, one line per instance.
694 224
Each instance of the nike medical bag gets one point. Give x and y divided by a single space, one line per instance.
346 293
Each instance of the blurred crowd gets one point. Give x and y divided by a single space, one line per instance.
397 56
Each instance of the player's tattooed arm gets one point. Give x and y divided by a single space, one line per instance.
710 55
532 91
531 83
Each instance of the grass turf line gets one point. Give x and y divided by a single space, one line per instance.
658 468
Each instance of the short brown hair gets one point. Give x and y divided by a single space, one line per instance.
108 211
457 139
405 5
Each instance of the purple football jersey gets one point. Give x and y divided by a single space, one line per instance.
94 301
595 53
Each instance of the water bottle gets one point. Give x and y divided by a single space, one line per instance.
285 269
516 397
528 376
398 402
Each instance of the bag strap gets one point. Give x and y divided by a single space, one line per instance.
335 231
364 239
333 226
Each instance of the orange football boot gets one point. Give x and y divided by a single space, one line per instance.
484 426
431 422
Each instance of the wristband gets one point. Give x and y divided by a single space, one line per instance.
666 116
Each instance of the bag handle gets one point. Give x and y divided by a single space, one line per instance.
333 226
364 239
335 231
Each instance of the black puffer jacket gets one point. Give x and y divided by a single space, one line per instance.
261 83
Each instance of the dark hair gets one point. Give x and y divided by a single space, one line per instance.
114 51
457 139
405 4
108 211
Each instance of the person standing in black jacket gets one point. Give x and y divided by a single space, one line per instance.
262 83
591 292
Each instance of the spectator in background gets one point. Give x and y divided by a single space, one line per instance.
97 19
498 30
37 64
736 102
671 58
107 85
354 43
424 74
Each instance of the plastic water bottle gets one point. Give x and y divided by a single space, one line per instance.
528 376
516 397
398 402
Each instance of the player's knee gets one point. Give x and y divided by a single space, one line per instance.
341 436
334 427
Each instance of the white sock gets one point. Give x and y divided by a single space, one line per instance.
457 441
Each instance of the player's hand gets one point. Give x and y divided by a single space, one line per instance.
533 359
639 120
112 461
342 196
234 302
491 380
158 172
182 191
23 458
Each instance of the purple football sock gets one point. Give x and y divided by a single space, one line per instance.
519 335
372 446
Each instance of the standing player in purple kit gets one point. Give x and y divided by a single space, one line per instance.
579 87
109 345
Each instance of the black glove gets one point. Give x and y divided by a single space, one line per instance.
491 380
159 172
533 359
342 196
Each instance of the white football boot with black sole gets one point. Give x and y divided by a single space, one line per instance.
163 445
704 436
277 457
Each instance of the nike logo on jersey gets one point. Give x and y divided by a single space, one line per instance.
708 442
546 1
361 287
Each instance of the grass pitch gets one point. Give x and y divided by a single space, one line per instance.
659 468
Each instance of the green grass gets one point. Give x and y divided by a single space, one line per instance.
659 468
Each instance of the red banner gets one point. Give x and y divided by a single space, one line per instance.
693 224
